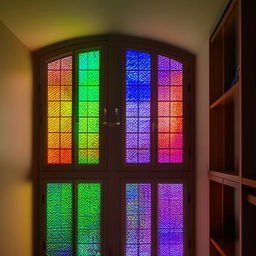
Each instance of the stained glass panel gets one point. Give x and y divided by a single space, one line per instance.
170 110
138 219
138 97
89 219
170 220
88 107
59 110
59 226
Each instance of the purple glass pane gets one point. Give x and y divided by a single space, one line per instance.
138 220
163 63
170 220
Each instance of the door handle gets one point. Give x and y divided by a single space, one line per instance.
105 116
117 117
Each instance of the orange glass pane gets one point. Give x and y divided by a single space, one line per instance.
66 93
59 109
176 124
66 124
53 156
163 140
65 156
53 140
53 124
176 93
65 140
163 108
176 108
163 124
53 93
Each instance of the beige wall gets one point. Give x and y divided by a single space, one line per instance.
202 149
15 146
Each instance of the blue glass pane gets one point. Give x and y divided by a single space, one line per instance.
132 78
144 61
144 78
132 93
144 109
132 60
138 97
132 109
144 93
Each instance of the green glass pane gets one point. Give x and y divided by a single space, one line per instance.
89 219
93 109
83 93
93 156
93 140
82 108
93 93
82 140
88 107
83 156
93 124
83 77
83 60
94 60
83 124
93 77
59 219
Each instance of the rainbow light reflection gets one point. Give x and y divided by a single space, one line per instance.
88 107
138 97
59 121
170 110
59 226
170 220
138 220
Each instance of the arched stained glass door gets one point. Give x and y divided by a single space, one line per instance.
116 149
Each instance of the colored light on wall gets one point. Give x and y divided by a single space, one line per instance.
138 97
170 220
59 128
170 110
138 220
59 219
88 107
89 219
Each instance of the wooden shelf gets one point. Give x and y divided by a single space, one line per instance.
249 182
228 95
225 175
251 199
225 247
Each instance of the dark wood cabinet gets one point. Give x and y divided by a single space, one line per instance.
232 122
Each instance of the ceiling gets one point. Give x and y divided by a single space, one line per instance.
38 23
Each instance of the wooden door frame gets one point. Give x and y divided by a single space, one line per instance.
114 44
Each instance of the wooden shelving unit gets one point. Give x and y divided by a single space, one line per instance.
232 168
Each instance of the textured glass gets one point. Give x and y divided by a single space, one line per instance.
89 219
170 220
59 219
170 110
138 97
88 107
138 220
59 111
